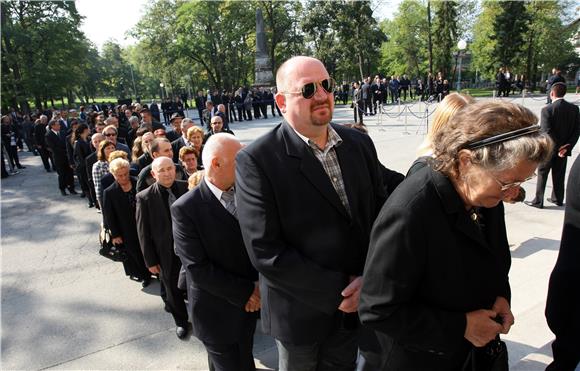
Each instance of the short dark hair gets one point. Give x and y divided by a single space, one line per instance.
559 89
155 144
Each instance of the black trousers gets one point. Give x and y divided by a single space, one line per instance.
241 113
558 166
173 295
200 113
338 352
248 114
65 174
234 357
13 156
84 183
368 106
264 110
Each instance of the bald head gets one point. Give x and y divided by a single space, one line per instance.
291 70
219 158
163 170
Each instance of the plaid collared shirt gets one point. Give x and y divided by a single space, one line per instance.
329 161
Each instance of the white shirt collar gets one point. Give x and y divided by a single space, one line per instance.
215 190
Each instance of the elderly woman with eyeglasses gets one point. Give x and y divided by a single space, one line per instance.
436 284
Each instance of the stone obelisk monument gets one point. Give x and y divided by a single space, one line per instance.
264 76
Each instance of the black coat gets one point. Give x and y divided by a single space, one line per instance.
563 303
176 145
220 277
39 133
561 120
298 234
428 265
145 179
57 146
154 224
119 218
81 151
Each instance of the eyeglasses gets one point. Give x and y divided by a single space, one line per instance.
111 135
309 89
507 186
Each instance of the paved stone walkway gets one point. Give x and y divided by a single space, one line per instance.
66 307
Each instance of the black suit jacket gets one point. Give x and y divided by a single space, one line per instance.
118 215
57 146
220 277
154 224
144 160
298 234
81 150
176 145
428 265
563 304
561 120
172 135
90 160
39 134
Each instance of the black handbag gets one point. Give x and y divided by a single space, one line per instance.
491 357
108 249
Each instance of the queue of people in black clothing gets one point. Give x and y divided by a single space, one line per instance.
369 95
243 104
129 166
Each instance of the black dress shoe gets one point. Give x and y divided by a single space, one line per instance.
72 191
91 205
146 282
554 201
21 167
181 332
166 308
534 204
62 192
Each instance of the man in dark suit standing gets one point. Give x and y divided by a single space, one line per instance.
222 290
563 303
561 120
308 193
156 239
56 144
553 79
39 141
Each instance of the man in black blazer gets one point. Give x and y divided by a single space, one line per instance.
39 133
563 303
160 147
222 290
56 144
308 193
561 120
217 126
156 239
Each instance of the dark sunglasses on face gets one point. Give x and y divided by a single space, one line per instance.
110 135
309 89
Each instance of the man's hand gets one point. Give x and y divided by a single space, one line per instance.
502 307
156 269
563 150
351 295
254 303
481 328
117 240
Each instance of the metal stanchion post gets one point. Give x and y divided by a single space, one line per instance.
399 110
406 118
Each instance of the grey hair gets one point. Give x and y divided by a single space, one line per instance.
118 164
482 120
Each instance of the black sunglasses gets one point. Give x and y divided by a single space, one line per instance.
309 89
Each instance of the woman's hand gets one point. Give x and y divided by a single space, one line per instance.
117 240
481 328
502 307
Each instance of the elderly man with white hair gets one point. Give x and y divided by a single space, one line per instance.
223 294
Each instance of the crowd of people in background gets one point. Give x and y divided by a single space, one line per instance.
305 220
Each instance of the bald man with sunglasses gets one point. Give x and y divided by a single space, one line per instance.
307 195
